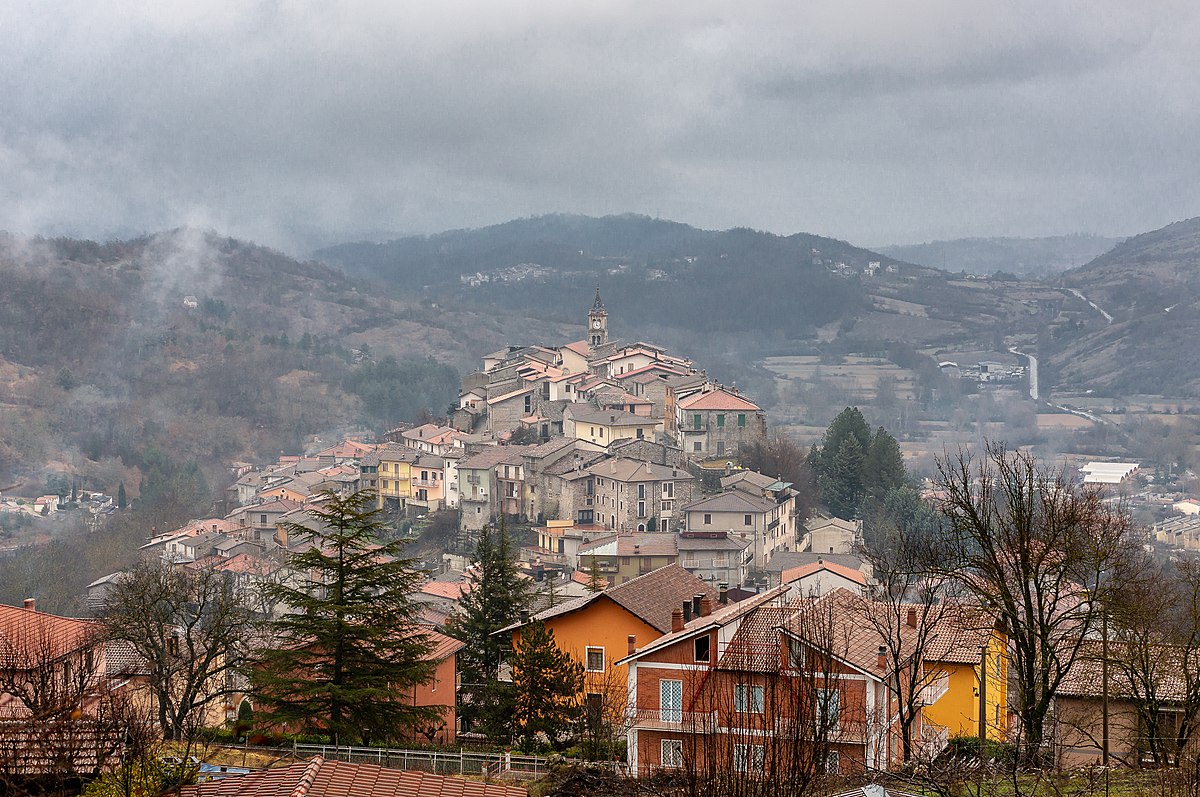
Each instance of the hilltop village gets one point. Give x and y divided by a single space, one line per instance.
691 597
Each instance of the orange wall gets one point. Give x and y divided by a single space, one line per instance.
605 624
439 692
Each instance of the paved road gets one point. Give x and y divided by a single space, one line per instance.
1033 372
1108 318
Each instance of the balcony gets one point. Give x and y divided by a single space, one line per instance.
686 721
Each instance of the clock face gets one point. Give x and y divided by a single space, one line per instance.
596 324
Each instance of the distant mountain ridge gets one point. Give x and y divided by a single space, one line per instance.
671 273
1024 257
1150 286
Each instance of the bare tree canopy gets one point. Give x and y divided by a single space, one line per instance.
190 630
1039 551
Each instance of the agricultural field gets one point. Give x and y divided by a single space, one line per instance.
858 378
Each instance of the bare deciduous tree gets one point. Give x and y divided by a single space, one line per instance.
191 630
1037 550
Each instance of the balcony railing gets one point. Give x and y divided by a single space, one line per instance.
670 719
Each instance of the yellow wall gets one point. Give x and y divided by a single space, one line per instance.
397 476
601 624
603 434
958 709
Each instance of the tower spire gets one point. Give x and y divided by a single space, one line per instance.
598 305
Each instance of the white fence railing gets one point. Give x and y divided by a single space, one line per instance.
440 762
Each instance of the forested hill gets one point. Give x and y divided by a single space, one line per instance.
1150 286
189 347
660 273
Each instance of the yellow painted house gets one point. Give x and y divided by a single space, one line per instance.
602 427
394 475
955 658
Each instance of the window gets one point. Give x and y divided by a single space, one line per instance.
528 404
707 519
701 647
747 758
667 506
641 433
748 699
742 419
720 419
641 509
720 448
672 753
641 491
696 446
829 708
832 763
594 708
263 518
795 655
696 422
668 490
670 701
748 520
595 659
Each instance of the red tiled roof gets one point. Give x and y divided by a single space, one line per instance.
443 646
718 400
796 573
452 590
649 597
320 778
25 633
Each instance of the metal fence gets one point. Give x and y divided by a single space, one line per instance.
440 762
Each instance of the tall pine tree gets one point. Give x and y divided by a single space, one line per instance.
345 662
841 484
498 597
546 687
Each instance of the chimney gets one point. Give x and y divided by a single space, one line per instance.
631 645
676 620
31 604
912 617
705 606
687 611
696 603
881 659
723 592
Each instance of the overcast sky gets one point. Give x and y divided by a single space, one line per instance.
293 123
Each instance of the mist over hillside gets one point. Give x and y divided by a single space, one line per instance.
1024 257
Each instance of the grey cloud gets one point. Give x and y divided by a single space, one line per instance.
293 123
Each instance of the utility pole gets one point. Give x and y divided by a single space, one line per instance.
983 662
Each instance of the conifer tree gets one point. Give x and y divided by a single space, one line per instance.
883 466
346 660
841 484
595 582
546 687
498 597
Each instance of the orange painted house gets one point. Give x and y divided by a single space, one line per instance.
441 690
596 629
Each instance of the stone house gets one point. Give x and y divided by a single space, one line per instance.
631 495
718 422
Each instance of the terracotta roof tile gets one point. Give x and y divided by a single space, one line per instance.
720 399
320 778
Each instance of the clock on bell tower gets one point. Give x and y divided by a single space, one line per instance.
597 322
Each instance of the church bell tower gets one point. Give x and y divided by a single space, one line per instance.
597 322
